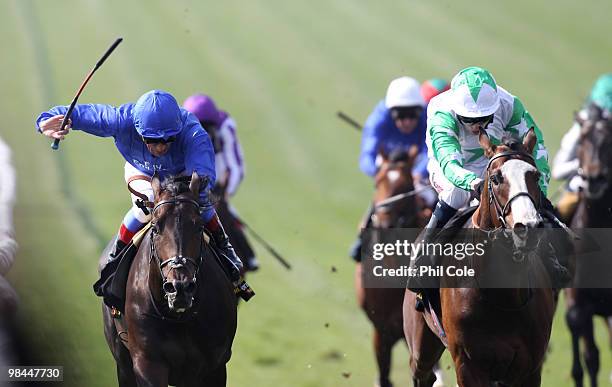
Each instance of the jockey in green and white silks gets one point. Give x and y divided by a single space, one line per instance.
457 161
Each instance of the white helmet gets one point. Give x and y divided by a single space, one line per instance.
474 93
404 91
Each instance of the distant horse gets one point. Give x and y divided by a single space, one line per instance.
180 310
594 211
394 205
494 335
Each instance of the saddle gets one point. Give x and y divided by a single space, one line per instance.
458 221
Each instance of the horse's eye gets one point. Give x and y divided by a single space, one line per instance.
497 178
154 228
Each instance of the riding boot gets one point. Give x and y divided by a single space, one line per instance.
129 227
355 250
242 244
366 222
117 249
110 267
229 259
441 215
558 273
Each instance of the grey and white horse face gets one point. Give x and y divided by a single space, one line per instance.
522 178
515 185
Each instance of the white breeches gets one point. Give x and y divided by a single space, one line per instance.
447 192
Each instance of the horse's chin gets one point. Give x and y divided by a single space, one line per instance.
524 242
179 304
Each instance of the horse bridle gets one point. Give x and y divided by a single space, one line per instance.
396 198
402 221
503 210
177 261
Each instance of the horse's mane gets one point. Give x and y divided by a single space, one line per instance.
397 155
513 144
176 185
594 112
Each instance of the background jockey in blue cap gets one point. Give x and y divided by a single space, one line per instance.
397 122
154 135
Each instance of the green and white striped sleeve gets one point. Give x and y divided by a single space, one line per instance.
520 123
444 135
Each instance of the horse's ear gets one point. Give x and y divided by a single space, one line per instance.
486 144
530 139
382 153
194 185
579 119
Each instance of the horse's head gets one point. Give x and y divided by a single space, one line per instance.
511 188
393 201
176 239
595 152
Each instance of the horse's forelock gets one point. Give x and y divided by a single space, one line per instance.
176 185
594 113
513 144
398 155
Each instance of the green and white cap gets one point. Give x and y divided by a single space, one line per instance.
474 93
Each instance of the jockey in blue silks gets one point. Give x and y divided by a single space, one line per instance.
154 135
397 122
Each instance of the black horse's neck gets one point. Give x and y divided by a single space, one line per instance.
594 212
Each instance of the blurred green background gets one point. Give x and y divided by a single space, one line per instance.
283 69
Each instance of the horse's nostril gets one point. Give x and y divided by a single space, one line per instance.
520 229
169 287
190 288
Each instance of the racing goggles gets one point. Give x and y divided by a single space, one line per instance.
409 112
167 140
484 121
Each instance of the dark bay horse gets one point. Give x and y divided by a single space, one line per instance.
394 205
494 335
594 211
180 311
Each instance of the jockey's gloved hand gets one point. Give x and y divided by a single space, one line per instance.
476 187
51 127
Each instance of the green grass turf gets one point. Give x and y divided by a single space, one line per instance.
282 68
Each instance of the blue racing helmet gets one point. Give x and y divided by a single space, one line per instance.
157 115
